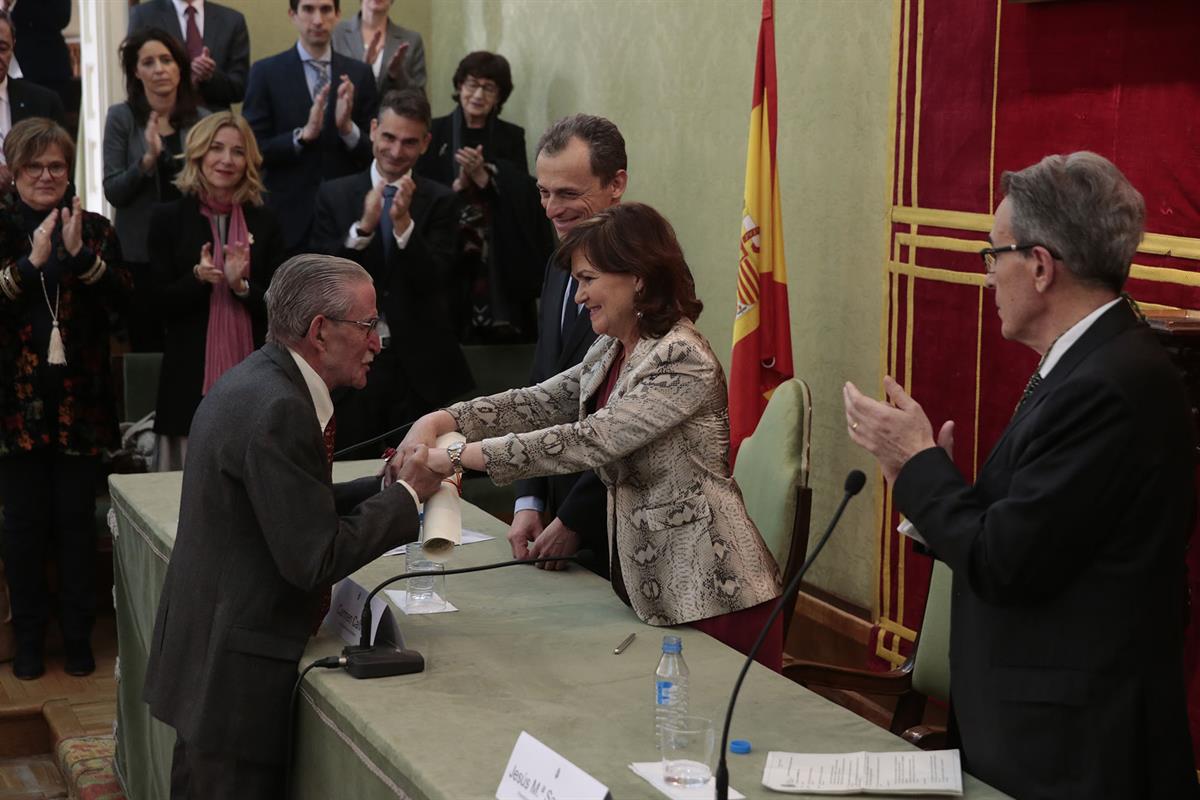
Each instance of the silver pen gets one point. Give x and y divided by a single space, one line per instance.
621 647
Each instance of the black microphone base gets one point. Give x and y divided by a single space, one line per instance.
381 662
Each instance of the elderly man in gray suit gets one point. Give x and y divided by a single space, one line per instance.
263 532
216 40
396 55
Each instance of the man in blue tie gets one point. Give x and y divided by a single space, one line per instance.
403 230
310 108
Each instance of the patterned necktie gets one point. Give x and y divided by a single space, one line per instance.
330 439
195 42
385 220
325 594
320 75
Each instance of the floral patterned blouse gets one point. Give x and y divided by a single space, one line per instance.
92 288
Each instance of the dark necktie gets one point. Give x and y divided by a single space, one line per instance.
195 42
1035 380
385 220
325 593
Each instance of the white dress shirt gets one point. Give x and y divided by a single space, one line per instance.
323 403
181 12
1063 343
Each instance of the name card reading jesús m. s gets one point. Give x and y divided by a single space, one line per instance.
535 772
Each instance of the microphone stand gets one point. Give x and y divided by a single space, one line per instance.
367 660
854 484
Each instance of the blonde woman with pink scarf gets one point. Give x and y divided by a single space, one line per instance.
212 254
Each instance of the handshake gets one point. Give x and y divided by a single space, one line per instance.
417 460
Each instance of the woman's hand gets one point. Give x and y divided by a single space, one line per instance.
206 271
42 240
154 144
72 231
470 159
237 266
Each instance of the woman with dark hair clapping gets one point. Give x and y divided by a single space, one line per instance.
143 138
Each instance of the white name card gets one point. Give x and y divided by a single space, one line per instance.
345 610
535 772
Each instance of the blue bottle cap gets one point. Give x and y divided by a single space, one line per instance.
739 746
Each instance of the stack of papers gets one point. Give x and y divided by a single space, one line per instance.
937 772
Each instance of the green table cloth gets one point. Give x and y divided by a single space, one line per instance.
528 649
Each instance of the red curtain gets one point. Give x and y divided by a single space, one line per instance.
983 86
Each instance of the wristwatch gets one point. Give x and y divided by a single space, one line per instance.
455 451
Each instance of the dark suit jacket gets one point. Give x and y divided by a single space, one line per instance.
579 499
177 232
40 47
410 286
225 36
239 597
30 100
1069 604
277 103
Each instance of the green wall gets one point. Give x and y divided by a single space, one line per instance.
676 76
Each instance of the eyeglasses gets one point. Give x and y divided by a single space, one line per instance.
368 325
988 254
34 170
470 86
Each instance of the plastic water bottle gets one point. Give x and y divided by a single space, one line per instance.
670 686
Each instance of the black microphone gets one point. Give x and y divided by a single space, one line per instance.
367 660
854 484
351 448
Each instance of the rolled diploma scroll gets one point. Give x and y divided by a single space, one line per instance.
442 530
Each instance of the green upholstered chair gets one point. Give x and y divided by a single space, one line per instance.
140 371
772 471
925 674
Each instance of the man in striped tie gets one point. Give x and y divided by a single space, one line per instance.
263 532
1069 599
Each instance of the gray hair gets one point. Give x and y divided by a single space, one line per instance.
305 286
1083 209
606 145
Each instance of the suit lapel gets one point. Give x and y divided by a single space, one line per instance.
556 284
595 372
575 333
1116 320
170 23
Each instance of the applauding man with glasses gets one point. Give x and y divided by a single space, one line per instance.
1069 599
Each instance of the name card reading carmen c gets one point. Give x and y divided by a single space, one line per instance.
535 772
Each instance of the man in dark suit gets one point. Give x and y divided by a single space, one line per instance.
263 532
580 170
402 229
20 99
1069 600
310 108
216 38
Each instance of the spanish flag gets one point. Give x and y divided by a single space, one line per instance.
762 344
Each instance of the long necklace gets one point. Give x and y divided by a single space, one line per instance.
56 354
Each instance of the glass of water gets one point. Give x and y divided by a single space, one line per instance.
425 593
689 746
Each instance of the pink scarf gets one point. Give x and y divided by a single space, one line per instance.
230 334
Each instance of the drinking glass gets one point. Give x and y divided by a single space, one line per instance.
688 750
